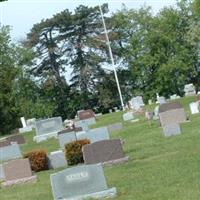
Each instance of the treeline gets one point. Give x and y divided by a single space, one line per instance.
153 53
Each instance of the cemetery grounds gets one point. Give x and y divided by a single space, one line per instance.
159 168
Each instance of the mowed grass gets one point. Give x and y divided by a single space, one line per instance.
159 168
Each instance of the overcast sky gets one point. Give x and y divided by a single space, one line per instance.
22 14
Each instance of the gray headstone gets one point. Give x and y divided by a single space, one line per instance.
86 181
171 129
10 152
49 126
103 151
194 107
82 123
25 129
31 122
115 127
2 174
57 159
94 135
136 103
161 100
189 90
66 138
128 116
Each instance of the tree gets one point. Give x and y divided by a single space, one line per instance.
8 73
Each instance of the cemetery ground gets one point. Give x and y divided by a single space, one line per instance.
159 168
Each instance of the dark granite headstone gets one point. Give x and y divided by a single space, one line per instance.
4 143
68 130
86 114
17 138
170 106
104 151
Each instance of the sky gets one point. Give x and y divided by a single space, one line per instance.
21 15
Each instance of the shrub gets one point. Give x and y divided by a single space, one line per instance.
73 151
38 160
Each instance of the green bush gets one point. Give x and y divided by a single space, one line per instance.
38 160
73 151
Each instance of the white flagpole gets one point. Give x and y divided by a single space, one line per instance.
112 59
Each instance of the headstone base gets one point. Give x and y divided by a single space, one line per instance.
40 138
117 161
31 179
25 129
110 193
135 120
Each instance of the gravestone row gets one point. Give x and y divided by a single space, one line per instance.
93 135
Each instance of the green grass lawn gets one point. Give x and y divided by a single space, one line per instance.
159 168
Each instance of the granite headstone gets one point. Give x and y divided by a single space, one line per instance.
81 182
105 151
171 129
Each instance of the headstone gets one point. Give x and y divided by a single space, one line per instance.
81 182
4 143
18 172
2 174
83 124
16 138
86 114
57 159
66 138
25 129
47 128
23 121
98 114
172 113
10 152
105 151
136 103
94 135
128 116
174 97
189 90
69 130
115 127
110 110
171 129
161 100
13 138
194 107
31 122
